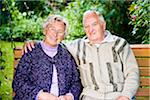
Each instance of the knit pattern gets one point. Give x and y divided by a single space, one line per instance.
34 73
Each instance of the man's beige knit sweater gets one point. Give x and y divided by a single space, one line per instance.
108 69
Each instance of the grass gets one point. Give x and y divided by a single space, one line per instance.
6 75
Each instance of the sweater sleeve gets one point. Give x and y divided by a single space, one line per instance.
73 48
22 84
131 72
76 86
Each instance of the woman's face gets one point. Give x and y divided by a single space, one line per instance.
54 33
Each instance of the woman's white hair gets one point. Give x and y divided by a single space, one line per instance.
52 18
101 18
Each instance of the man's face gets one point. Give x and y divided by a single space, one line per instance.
94 28
54 33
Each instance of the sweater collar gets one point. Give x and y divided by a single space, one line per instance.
48 47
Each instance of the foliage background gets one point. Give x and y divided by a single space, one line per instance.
21 20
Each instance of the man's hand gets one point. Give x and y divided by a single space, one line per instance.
46 96
28 45
65 97
123 98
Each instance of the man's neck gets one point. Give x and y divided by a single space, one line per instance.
98 41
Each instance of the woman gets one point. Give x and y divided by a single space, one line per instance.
48 72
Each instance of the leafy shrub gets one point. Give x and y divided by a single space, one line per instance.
25 23
22 26
22 30
139 15
26 29
5 33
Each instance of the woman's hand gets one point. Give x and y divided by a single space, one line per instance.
65 97
46 96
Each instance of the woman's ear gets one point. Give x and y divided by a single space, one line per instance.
44 31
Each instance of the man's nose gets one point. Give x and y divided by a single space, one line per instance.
91 30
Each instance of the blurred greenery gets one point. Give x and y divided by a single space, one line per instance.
21 20
6 72
139 12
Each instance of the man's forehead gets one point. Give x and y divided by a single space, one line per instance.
91 18
91 14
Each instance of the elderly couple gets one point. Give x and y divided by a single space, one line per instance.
49 69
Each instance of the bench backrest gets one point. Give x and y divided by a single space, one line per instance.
142 54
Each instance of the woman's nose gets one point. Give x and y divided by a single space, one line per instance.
55 33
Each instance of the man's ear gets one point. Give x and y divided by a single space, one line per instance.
104 26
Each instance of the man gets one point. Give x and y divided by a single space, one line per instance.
108 68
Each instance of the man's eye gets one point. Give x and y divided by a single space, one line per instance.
52 29
94 24
61 32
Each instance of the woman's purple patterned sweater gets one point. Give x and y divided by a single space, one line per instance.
35 69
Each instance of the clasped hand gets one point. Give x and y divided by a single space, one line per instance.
49 96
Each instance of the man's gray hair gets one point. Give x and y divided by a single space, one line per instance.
52 18
101 18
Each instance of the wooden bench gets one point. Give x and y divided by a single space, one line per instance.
142 53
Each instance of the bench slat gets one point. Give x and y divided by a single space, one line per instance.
143 92
144 71
15 63
144 81
143 61
17 53
144 52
